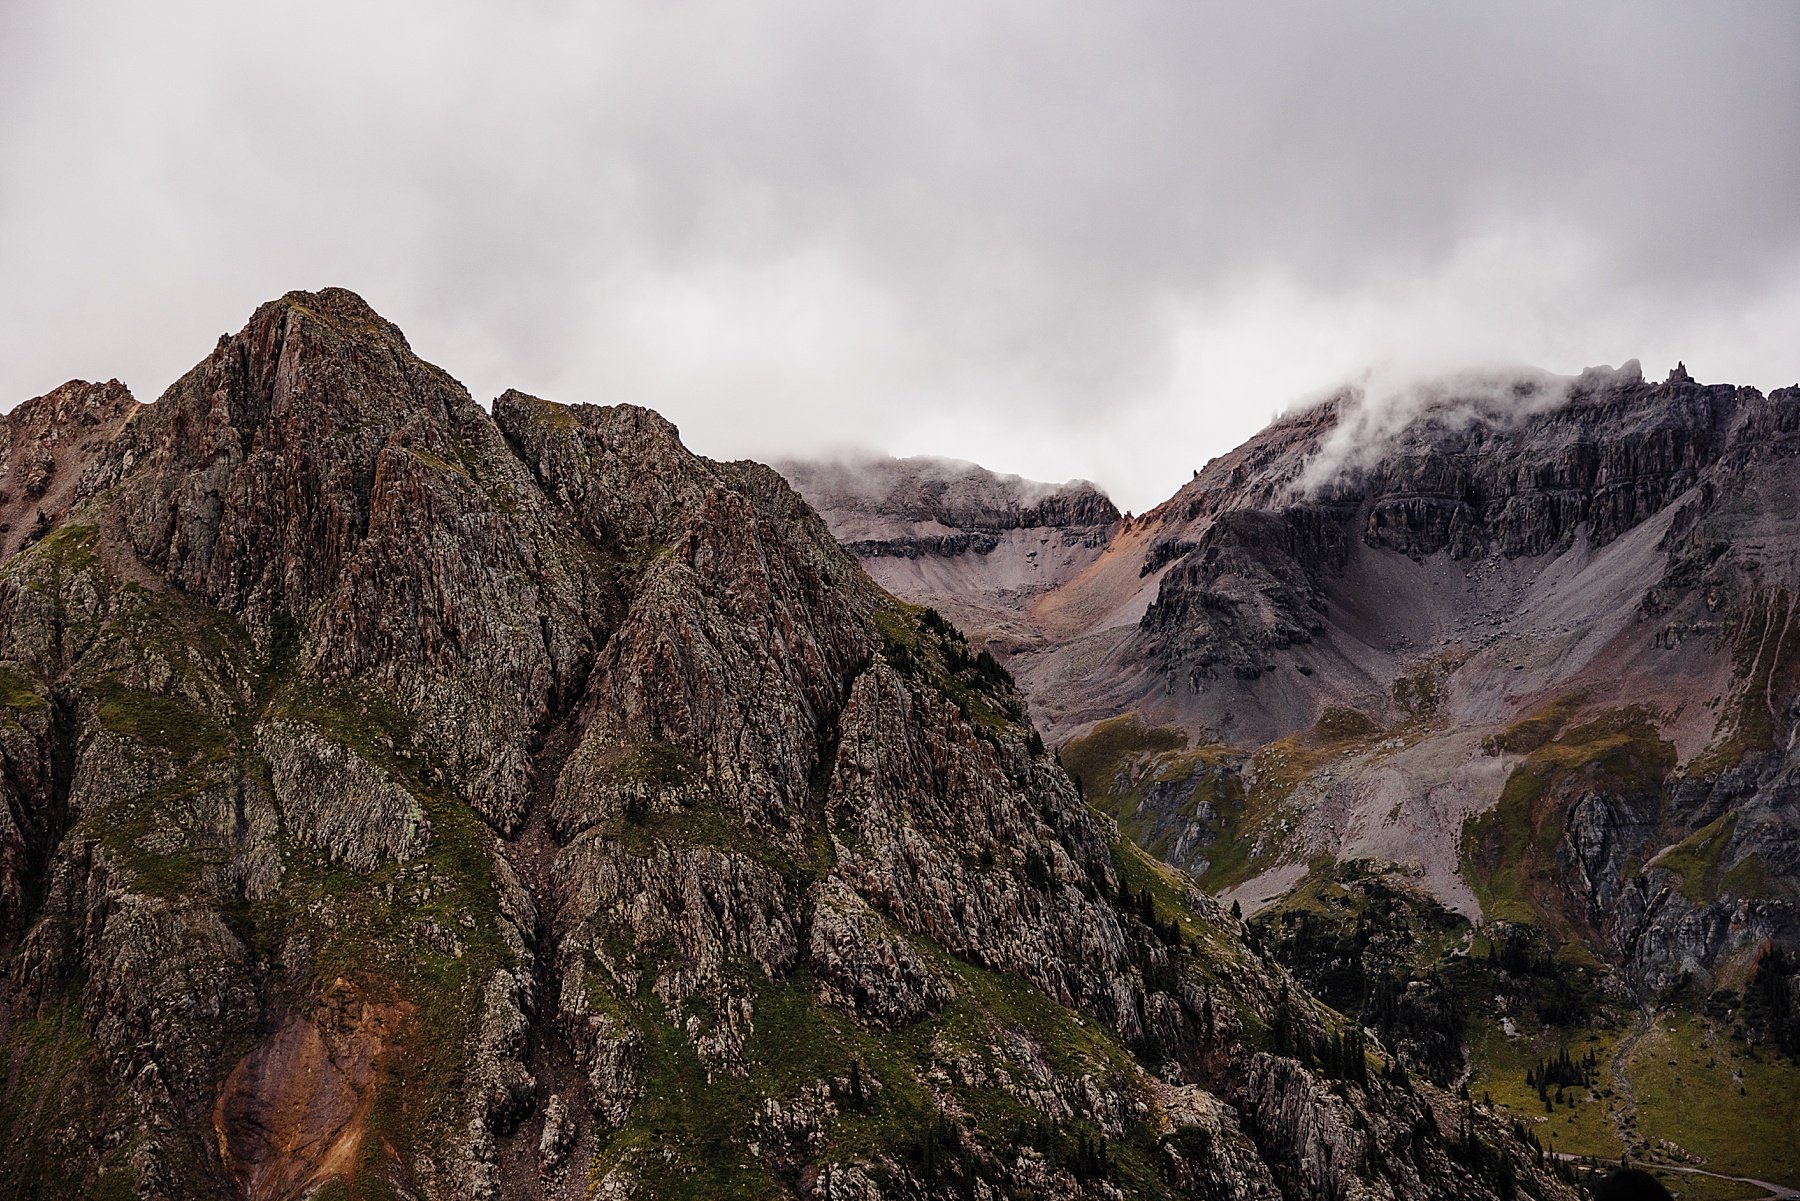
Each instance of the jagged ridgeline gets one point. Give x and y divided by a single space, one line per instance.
407 801
1481 698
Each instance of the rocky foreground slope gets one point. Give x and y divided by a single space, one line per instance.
407 801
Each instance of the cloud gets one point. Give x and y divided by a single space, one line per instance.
1376 414
1061 239
878 481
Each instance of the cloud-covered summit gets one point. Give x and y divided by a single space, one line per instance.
1064 240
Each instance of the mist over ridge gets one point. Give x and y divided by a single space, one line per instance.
1061 241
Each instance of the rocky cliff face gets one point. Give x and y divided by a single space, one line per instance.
45 445
874 504
403 800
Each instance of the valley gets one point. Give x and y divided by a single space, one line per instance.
1488 727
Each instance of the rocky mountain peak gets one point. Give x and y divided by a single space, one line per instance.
1249 559
255 476
403 800
621 469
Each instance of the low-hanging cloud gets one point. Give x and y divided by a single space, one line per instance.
1375 414
916 482
1062 239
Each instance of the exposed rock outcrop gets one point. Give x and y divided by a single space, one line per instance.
46 444
424 803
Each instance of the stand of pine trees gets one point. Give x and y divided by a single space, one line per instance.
1340 1055
1086 1156
1772 1000
1562 1073
1489 1163
1168 930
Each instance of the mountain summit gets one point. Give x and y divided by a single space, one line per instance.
982 546
403 800
1482 698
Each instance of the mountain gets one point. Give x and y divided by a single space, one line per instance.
978 546
1504 674
45 444
408 800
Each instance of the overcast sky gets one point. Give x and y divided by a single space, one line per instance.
1098 239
